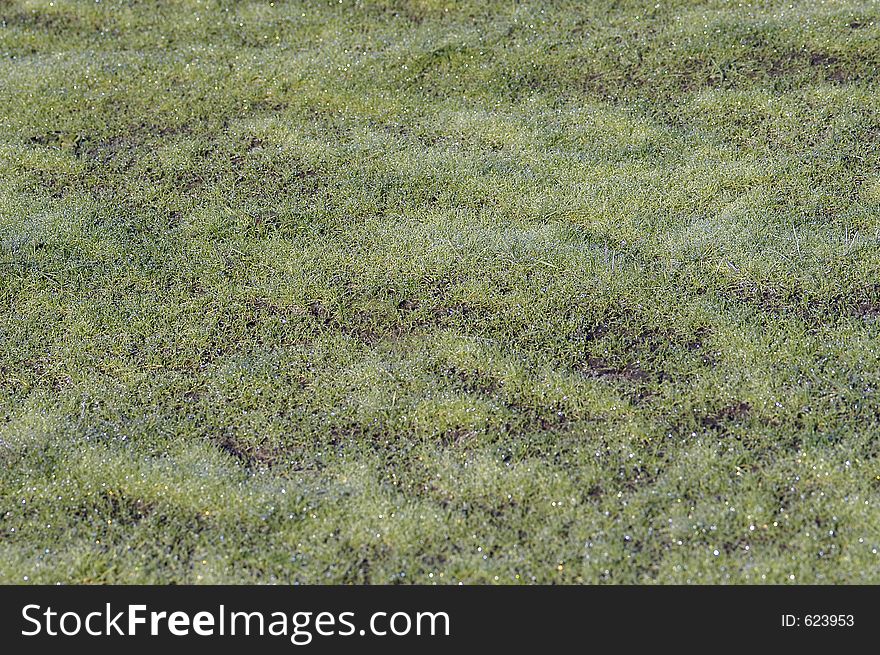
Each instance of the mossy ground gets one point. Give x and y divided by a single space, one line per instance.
432 291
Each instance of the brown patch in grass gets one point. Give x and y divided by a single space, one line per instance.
250 455
42 20
319 311
472 381
602 368
128 510
730 414
778 301
117 506
266 104
103 150
867 309
358 326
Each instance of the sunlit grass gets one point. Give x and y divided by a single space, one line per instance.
422 291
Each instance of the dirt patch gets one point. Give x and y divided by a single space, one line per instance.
867 309
128 510
115 505
822 59
42 20
806 305
471 381
265 104
116 150
52 138
835 70
255 144
250 455
734 413
602 368
320 312
360 325
410 314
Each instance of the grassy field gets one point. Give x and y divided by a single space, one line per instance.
427 291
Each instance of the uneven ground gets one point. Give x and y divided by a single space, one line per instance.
433 291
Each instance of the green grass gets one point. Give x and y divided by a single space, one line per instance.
423 291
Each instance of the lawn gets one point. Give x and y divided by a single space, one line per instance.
424 291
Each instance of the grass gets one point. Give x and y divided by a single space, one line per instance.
422 291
